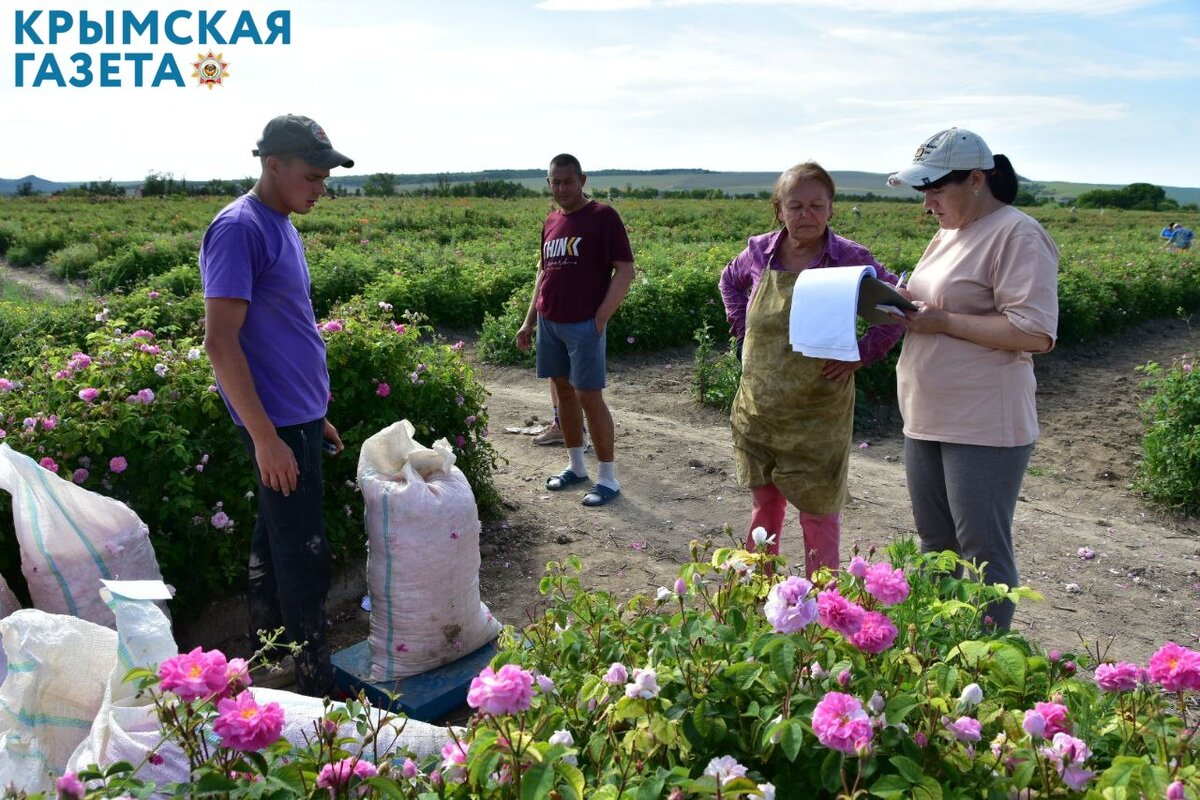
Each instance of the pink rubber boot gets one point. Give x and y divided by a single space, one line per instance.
822 534
770 508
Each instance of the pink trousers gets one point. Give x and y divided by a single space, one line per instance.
822 532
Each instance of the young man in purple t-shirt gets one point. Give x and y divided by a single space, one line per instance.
584 273
261 335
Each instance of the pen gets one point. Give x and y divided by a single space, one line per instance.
903 278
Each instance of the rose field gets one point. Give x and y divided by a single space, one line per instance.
646 654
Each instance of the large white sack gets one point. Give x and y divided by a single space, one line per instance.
423 558
71 539
58 671
126 727
8 604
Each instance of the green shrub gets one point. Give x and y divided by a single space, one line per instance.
134 262
497 342
1170 469
9 232
73 261
33 247
185 460
715 377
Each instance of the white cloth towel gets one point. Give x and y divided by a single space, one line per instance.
824 308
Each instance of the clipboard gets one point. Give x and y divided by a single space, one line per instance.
873 292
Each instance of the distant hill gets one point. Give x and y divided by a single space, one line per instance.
848 182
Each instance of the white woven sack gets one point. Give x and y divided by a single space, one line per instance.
423 560
71 539
126 727
8 604
58 670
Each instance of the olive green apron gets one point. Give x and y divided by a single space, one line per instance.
791 427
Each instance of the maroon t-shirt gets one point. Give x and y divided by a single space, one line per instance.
578 252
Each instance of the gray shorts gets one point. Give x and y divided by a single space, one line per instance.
574 350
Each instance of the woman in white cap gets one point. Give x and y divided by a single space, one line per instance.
987 292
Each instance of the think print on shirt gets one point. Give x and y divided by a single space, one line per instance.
563 247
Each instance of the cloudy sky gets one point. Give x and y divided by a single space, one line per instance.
1103 91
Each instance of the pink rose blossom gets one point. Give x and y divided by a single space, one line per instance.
1175 668
48 463
1055 715
142 334
887 585
237 675
409 769
1034 724
244 725
337 776
965 729
80 475
50 422
153 295
383 390
460 442
1067 754
1176 790
89 394
875 634
840 723
195 675
220 520
150 349
643 684
789 609
508 690
616 673
79 361
458 345
62 374
118 464
858 567
454 762
333 326
6 385
838 613
69 785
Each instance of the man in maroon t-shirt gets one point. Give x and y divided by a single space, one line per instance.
583 275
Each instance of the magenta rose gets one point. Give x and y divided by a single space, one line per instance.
887 585
841 723
242 724
195 675
508 690
837 613
1055 715
1119 677
1175 667
875 633
337 776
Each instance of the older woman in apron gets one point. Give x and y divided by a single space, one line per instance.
793 416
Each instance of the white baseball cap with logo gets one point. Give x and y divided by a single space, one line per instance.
943 153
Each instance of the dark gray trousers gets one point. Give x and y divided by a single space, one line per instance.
963 499
290 564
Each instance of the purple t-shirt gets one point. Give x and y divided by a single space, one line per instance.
578 252
252 252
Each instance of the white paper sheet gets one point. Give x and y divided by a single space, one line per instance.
824 308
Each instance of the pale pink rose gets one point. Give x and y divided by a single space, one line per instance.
118 464
1175 668
875 633
1034 724
242 724
508 690
337 776
545 684
838 613
50 422
1067 754
220 520
965 729
454 763
841 723
145 396
89 394
6 385
1119 677
616 673
237 676
887 585
195 675
153 295
680 587
857 567
643 684
789 609
724 769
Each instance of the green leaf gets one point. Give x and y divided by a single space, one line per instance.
537 782
574 779
652 788
1023 774
783 660
890 787
909 769
790 738
927 789
831 771
214 783
1007 666
899 707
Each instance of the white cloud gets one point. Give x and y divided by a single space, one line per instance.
880 6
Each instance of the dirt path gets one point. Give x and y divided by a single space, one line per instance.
676 468
36 284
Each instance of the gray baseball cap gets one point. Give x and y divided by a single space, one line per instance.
290 134
941 154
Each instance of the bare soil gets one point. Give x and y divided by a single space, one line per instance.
675 463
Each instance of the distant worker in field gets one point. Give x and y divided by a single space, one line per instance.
1168 232
987 291
584 273
1181 238
857 212
793 416
269 361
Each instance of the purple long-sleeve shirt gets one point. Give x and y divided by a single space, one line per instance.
741 275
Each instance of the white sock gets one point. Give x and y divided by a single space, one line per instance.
608 475
577 465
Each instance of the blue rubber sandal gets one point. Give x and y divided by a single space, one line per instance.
599 495
562 480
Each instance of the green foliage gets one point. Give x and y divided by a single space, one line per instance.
702 692
73 261
185 458
381 184
1135 196
1170 470
715 376
134 263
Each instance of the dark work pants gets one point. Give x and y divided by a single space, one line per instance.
963 499
290 564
